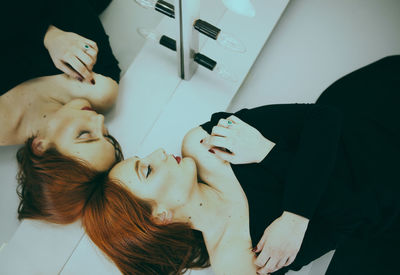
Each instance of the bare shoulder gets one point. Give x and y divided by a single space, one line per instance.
192 140
211 169
101 95
192 147
9 120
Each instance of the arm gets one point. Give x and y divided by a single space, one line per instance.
310 131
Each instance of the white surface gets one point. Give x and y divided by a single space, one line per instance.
8 197
40 248
120 20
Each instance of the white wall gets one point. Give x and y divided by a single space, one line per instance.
315 43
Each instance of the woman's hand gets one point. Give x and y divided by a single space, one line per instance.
280 243
237 142
71 53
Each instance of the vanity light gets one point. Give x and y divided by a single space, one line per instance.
199 58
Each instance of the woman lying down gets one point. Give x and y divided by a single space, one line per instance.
260 191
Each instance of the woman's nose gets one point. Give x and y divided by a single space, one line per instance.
99 121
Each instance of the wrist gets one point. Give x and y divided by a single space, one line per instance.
294 218
51 31
265 147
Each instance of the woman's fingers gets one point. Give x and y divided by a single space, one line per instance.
290 261
225 123
77 65
85 59
269 267
92 44
281 263
235 119
263 257
216 141
66 68
222 154
220 131
92 53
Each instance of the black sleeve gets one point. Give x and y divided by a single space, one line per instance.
23 25
81 17
312 132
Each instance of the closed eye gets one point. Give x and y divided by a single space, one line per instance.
149 170
83 134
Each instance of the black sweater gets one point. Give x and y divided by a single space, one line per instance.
323 152
23 25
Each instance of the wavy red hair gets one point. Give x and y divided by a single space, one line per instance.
123 227
59 189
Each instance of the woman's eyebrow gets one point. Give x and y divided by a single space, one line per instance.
88 140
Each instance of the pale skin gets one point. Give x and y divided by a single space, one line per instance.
57 110
61 110
235 141
71 53
176 195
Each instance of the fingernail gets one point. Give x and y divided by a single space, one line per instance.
80 78
201 141
254 249
92 81
211 151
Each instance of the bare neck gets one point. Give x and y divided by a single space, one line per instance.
27 108
205 211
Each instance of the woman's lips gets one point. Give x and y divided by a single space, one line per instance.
178 159
87 108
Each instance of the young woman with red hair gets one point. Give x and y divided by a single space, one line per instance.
59 71
270 189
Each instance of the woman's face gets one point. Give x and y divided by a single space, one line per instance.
77 131
158 178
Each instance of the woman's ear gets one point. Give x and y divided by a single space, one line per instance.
39 146
163 215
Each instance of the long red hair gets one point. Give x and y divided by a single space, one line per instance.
123 227
60 189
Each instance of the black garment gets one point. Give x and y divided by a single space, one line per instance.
335 163
23 25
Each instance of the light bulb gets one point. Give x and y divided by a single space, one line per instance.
225 73
229 42
226 40
149 4
149 34
242 7
158 38
199 58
